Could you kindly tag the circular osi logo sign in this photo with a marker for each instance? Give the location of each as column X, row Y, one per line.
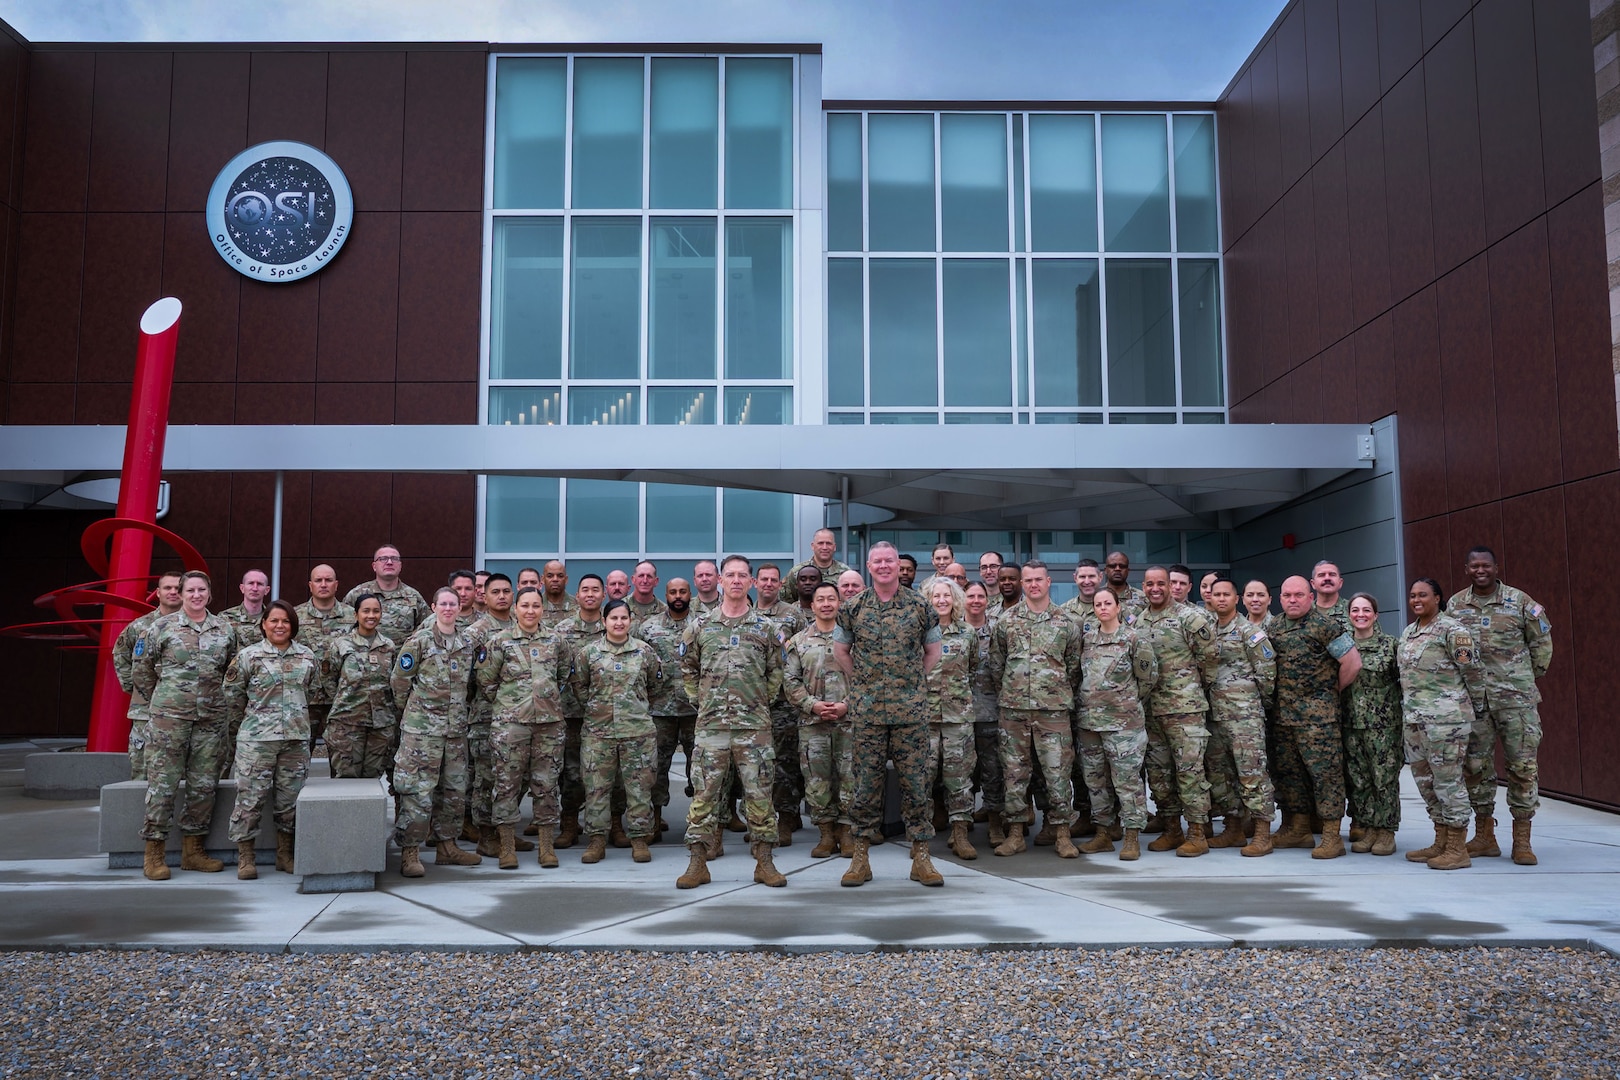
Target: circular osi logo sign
column 279, row 211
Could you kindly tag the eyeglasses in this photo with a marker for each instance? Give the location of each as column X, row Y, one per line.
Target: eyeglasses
column 989, row 566
column 386, row 558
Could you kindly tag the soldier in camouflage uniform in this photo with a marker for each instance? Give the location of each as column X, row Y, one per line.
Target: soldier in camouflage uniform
column 244, row 617
column 1515, row 649
column 1035, row 666
column 1315, row 661
column 706, row 586
column 1327, row 584
column 1118, row 672
column 674, row 716
column 430, row 770
column 818, row 688
column 643, row 601
column 950, row 711
column 1373, row 737
column 1257, row 604
column 887, row 640
column 267, row 690
column 403, row 607
column 320, row 619
column 520, row 677
column 822, row 546
column 168, row 602
column 1009, row 590
column 1245, row 679
column 732, row 668
column 1087, row 580
column 987, row 779
column 614, row 677
column 179, row 666
column 1443, row 687
column 787, row 786
column 362, row 727
column 1184, row 645
column 558, row 604
column 574, row 632
column 497, row 618
column 1117, row 572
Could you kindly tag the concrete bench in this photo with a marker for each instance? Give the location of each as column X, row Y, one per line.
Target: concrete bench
column 123, row 812
column 343, row 828
column 72, row 774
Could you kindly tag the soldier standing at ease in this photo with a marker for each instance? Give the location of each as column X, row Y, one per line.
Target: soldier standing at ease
column 850, row 585
column 1118, row 671
column 1374, row 741
column 887, row 640
column 1184, row 645
column 430, row 772
column 950, row 713
column 1328, row 584
column 558, row 604
column 179, row 666
column 320, row 619
column 244, row 617
column 403, row 607
column 987, row 780
column 480, row 826
column 1515, row 649
column 1117, row 571
column 643, row 598
column 1246, row 678
column 674, row 716
column 617, row 584
column 706, row 582
column 362, row 728
column 167, row 593
column 822, row 545
column 1009, row 590
column 787, row 786
column 573, row 633
column 818, row 688
column 267, row 691
column 732, row 668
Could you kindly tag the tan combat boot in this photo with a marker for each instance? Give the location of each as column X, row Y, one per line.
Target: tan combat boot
column 194, row 856
column 1196, row 842
column 1332, row 845
column 469, row 831
column 846, row 841
column 1383, row 842
column 1015, row 839
column 716, row 847
column 1100, row 842
column 595, row 849
column 532, row 829
column 784, row 830
column 1260, row 843
column 451, row 855
column 284, row 852
column 922, row 867
column 1361, row 838
column 247, row 861
column 1427, row 853
column 1484, row 844
column 827, row 846
column 765, row 871
column 1131, row 848
column 616, row 834
column 860, row 869
column 1357, row 831
column 1048, row 834
column 520, row 844
column 410, row 861
column 959, row 843
column 1171, row 838
column 546, row 854
column 697, row 871
column 1083, row 824
column 156, row 866
column 639, row 851
column 1454, row 855
column 506, row 850
column 568, row 831
column 658, row 827
column 1063, row 844
column 1522, row 855
column 1155, row 823
column 1231, row 834
column 1295, row 833
column 489, row 843
column 736, row 824
column 997, row 827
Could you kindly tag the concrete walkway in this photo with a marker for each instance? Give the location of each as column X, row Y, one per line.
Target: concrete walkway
column 57, row 893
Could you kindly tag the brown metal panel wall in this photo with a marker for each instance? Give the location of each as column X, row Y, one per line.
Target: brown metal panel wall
column 1476, row 276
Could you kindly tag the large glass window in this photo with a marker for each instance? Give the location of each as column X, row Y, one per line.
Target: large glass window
column 1201, row 382
column 844, row 160
column 603, row 515
column 606, row 293
column 600, row 406
column 526, row 299
column 1196, row 212
column 608, row 109
column 846, row 333
column 521, row 513
column 758, row 522
column 1141, row 339
column 1062, row 183
column 759, row 298
column 531, row 95
column 682, row 316
column 685, row 128
column 759, row 134
column 978, row 333
column 759, row 405
column 680, row 517
column 678, row 405
column 973, row 181
column 1068, row 332
column 1135, row 183
column 525, row 406
column 904, row 362
column 901, row 181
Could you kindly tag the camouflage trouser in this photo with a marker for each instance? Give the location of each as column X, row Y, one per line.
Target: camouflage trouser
column 318, row 714
column 1037, row 742
column 227, row 757
column 1175, row 765
column 787, row 787
column 987, row 764
column 430, row 778
column 355, row 752
column 268, row 770
column 137, row 750
column 874, row 746
column 481, row 792
column 573, row 787
column 605, row 764
column 950, row 765
column 1112, row 764
column 1520, row 733
column 181, row 750
column 527, row 760
column 714, row 753
column 1372, row 775
column 1239, row 779
column 826, row 757
column 1437, row 753
column 1082, row 794
column 1308, row 770
column 672, row 731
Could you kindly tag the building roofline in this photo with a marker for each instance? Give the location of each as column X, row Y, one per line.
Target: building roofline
column 923, row 105
column 670, row 48
column 1271, row 32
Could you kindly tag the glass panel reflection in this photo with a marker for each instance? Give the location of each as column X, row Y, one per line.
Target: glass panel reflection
column 680, row 517
column 603, row 515
column 606, row 299
column 1200, row 332
column 978, row 333
column 973, row 181
column 759, row 301
column 1136, row 183
column 767, row 405
column 531, row 103
column 759, row 134
column 903, row 418
column 1068, row 332
column 520, row 513
column 904, row 367
column 679, row 405
column 758, row 522
column 603, row 405
column 846, row 318
column 682, row 340
column 978, row 418
column 521, row 406
column 525, row 341
column 901, row 181
column 1141, row 342
column 1062, row 183
column 607, row 132
column 685, row 132
column 843, row 182
column 1196, row 212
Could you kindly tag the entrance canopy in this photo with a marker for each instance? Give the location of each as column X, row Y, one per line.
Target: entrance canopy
column 946, row 477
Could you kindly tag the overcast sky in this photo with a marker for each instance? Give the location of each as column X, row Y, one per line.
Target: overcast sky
column 1030, row 49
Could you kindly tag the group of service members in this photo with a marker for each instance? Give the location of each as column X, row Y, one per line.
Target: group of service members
column 797, row 692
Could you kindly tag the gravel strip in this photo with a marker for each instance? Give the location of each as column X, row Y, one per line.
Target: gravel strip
column 1298, row 1014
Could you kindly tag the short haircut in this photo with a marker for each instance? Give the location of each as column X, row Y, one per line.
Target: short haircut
column 1034, row 564
column 481, row 572
column 648, row 563
column 880, row 545
column 583, row 578
column 912, row 559
column 385, row 547
column 729, row 559
column 764, row 566
column 1319, row 563
column 528, row 570
column 1000, row 558
column 1479, row 549
column 280, row 605
column 1156, row 566
column 470, row 575
column 498, row 576
column 1016, row 568
column 1225, row 579
column 1184, row 571
column 824, row 585
column 809, row 568
column 1088, row 562
column 176, row 574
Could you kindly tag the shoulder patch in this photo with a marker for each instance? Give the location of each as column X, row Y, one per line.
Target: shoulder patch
column 1535, row 611
column 483, row 654
column 140, row 647
column 406, row 661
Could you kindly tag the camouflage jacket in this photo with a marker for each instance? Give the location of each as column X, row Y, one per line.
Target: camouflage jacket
column 1118, row 671
column 1514, row 639
column 356, row 673
column 1079, row 609
column 1132, row 604
column 403, row 609
column 122, row 661
column 573, row 634
column 552, row 614
column 788, row 621
column 315, row 629
column 1338, row 614
column 1184, row 644
column 1374, row 699
column 950, row 684
column 813, row 673
column 245, row 624
column 1246, row 678
column 732, row 669
column 616, row 682
column 521, row 675
column 430, row 680
column 485, row 626
column 1308, row 653
column 180, row 667
column 640, row 613
column 267, row 692
column 887, row 639
column 1035, row 660
column 1442, row 682
column 664, row 634
column 829, row 576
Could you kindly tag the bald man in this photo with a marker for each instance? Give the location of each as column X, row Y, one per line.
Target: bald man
column 850, row 585
column 320, row 619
